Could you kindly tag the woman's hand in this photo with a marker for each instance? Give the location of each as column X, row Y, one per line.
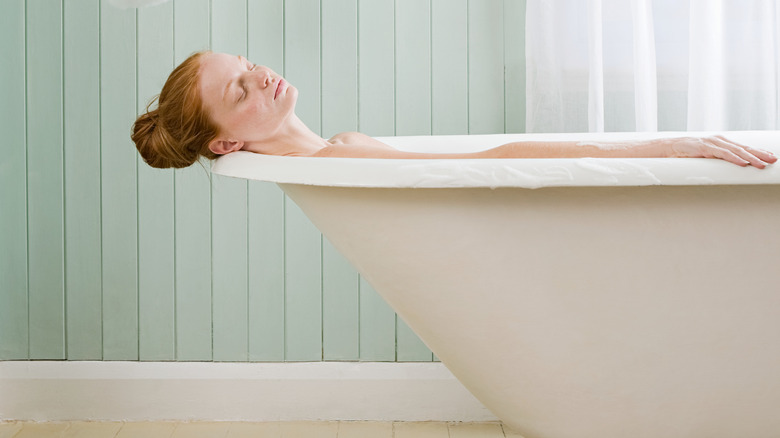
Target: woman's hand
column 717, row 147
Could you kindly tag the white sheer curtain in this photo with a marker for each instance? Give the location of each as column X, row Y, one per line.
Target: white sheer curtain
column 652, row 65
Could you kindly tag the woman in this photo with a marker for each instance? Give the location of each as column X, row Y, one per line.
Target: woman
column 214, row 103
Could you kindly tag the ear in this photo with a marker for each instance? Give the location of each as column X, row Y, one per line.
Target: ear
column 221, row 146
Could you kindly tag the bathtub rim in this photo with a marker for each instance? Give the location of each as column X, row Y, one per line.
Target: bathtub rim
column 529, row 173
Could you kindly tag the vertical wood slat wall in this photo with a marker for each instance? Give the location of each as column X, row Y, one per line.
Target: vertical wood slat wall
column 105, row 258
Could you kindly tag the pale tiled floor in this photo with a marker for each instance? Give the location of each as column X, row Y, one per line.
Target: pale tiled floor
column 333, row 429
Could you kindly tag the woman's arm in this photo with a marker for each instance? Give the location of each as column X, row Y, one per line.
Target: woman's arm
column 685, row 147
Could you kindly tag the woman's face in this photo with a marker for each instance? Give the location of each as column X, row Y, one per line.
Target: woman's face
column 249, row 103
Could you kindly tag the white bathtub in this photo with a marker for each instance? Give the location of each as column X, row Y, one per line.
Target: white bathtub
column 576, row 298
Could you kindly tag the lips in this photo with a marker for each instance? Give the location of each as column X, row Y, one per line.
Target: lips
column 279, row 88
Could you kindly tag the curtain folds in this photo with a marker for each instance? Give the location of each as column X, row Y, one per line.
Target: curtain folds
column 649, row 65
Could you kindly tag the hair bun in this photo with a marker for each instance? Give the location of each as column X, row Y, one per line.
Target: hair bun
column 179, row 130
column 155, row 144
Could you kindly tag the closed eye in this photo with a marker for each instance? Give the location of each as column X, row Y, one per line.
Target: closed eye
column 243, row 87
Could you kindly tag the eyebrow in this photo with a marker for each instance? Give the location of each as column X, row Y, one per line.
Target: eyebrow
column 227, row 87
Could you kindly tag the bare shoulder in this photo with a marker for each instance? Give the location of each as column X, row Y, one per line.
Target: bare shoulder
column 356, row 138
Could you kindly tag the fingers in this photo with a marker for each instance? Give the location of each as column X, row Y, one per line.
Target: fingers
column 738, row 150
column 766, row 156
column 741, row 154
column 741, row 160
column 731, row 157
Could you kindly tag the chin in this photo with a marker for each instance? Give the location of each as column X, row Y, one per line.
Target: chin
column 292, row 93
column 291, row 98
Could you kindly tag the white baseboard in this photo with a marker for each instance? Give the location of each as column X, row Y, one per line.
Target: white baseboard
column 142, row 391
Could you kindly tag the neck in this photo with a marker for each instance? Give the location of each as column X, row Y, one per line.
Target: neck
column 292, row 139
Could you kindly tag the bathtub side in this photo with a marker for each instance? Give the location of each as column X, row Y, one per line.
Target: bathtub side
column 582, row 312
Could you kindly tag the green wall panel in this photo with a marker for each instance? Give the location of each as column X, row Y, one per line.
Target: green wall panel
column 119, row 199
column 267, row 272
column 514, row 65
column 105, row 258
column 229, row 275
column 486, row 66
column 45, row 205
column 83, row 282
column 449, row 67
column 339, row 67
column 376, row 77
column 14, row 338
column 413, row 67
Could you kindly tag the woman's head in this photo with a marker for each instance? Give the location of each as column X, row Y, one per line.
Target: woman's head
column 212, row 104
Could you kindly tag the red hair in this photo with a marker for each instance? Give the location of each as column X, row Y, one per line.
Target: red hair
column 179, row 130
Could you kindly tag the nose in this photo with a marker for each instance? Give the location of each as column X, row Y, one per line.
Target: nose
column 262, row 77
